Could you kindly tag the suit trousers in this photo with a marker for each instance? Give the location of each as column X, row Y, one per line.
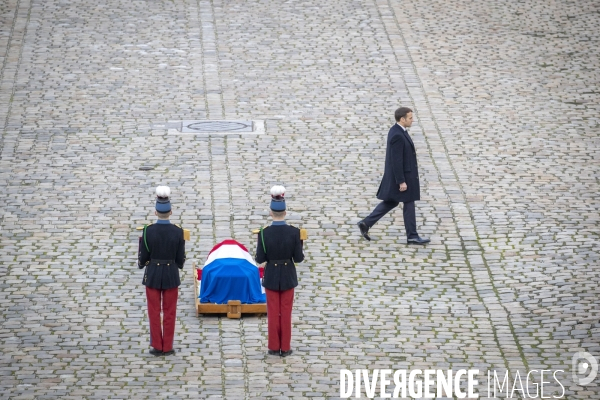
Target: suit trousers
column 161, row 335
column 279, row 318
column 408, row 211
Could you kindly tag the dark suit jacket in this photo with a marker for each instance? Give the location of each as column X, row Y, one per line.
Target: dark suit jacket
column 166, row 255
column 400, row 167
column 284, row 248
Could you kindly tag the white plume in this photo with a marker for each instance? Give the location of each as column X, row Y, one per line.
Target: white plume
column 163, row 191
column 277, row 191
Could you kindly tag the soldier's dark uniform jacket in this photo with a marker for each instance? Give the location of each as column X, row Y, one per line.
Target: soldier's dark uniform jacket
column 283, row 249
column 167, row 253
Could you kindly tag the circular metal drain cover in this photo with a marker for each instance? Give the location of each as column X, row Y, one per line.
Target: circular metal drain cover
column 220, row 126
column 216, row 126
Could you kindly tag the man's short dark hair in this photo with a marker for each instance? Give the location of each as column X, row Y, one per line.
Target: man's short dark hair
column 401, row 113
column 278, row 214
column 164, row 215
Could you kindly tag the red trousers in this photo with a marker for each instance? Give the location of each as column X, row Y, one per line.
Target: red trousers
column 279, row 318
column 161, row 334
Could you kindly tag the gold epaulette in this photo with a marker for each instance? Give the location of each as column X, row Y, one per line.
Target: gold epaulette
column 141, row 228
column 256, row 231
column 186, row 232
column 303, row 234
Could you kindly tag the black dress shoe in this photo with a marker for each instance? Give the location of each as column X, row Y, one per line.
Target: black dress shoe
column 155, row 352
column 364, row 230
column 286, row 353
column 418, row 240
column 168, row 353
column 273, row 352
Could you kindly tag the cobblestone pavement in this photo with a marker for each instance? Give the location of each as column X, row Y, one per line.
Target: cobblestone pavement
column 507, row 102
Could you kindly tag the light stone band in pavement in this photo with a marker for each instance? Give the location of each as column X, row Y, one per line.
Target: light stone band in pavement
column 507, row 101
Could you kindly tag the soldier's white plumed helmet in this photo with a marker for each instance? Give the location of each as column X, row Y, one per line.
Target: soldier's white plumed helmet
column 277, row 198
column 163, row 204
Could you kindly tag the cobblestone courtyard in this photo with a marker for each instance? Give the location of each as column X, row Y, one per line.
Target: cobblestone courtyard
column 506, row 97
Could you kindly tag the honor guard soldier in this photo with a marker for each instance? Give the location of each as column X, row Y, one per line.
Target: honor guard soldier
column 280, row 246
column 162, row 253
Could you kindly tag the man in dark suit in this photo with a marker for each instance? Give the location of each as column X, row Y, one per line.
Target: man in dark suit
column 162, row 253
column 280, row 246
column 400, row 182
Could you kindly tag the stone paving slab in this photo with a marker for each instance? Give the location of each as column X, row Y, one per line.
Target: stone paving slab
column 507, row 133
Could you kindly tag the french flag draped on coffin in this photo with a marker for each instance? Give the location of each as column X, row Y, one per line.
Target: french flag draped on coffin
column 230, row 273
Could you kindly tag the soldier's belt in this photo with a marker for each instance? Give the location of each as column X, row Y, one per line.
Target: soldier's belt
column 279, row 263
column 164, row 263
